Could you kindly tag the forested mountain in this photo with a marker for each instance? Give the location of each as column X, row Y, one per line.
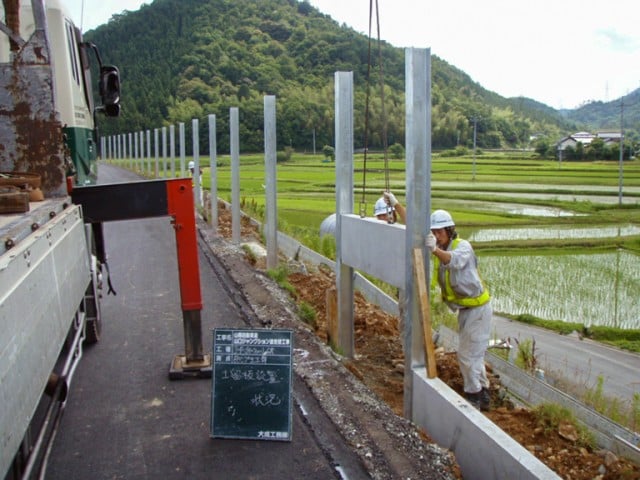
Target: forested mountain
column 186, row 59
column 608, row 115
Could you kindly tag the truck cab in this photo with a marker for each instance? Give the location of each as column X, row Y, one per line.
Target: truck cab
column 50, row 278
column 50, row 122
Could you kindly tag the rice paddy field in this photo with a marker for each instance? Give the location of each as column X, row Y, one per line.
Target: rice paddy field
column 556, row 241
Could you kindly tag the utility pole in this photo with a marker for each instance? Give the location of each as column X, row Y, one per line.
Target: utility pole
column 475, row 130
column 621, row 150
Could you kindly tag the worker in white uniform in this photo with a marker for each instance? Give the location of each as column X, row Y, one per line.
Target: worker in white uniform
column 387, row 209
column 192, row 168
column 456, row 271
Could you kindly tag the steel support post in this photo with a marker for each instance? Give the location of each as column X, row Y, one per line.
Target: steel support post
column 182, row 147
column 213, row 167
column 271, row 222
column 195, row 137
column 172, row 150
column 344, row 205
column 418, row 198
column 234, row 126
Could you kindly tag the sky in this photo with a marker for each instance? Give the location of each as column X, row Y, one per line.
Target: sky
column 562, row 53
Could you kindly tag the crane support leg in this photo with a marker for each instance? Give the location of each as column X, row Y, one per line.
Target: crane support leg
column 157, row 198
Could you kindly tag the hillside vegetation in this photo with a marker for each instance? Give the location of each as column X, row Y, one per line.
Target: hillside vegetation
column 183, row 60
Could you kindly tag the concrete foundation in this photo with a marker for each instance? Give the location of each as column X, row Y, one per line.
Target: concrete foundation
column 481, row 448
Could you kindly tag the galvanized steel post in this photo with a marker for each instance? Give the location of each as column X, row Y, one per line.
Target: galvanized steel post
column 149, row 151
column 130, row 138
column 418, row 198
column 164, row 152
column 235, row 173
column 140, row 135
column 195, row 125
column 344, row 204
column 213, row 167
column 135, row 149
column 270, row 159
column 156, row 144
column 172, row 149
column 182, row 148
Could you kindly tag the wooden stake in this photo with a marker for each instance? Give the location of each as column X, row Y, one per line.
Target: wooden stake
column 423, row 293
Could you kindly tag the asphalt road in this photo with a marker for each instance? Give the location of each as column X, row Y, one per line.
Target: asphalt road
column 124, row 419
column 581, row 361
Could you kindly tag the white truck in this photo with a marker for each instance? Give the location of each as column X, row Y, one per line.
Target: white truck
column 50, row 281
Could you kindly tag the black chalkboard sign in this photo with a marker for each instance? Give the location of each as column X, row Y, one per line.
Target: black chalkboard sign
column 251, row 383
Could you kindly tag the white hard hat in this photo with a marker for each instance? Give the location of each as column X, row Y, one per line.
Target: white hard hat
column 382, row 207
column 328, row 226
column 441, row 219
column 192, row 164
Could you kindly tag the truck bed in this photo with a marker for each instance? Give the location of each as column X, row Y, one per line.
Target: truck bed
column 17, row 226
column 44, row 273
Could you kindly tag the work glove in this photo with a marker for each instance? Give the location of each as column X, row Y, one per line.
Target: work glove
column 430, row 242
column 390, row 198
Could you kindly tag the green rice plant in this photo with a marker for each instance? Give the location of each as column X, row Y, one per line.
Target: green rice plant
column 615, row 410
column 612, row 407
column 634, row 416
column 308, row 314
column 526, row 355
column 595, row 396
column 328, row 246
column 550, row 416
column 590, row 289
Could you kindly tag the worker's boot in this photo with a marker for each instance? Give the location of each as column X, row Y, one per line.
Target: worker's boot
column 480, row 400
column 473, row 399
column 485, row 399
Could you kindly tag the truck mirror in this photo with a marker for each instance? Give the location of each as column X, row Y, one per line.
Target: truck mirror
column 112, row 110
column 109, row 87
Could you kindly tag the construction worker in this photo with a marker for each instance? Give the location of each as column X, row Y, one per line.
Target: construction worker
column 387, row 209
column 192, row 168
column 381, row 208
column 456, row 271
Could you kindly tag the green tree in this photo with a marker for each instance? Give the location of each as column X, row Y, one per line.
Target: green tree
column 397, row 151
column 328, row 152
column 542, row 147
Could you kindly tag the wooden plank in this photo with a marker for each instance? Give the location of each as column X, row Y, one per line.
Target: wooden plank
column 423, row 294
column 331, row 307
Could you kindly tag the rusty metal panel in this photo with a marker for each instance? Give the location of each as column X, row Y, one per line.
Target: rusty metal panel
column 31, row 137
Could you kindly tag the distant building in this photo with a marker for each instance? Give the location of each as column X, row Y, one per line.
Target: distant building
column 610, row 138
column 585, row 138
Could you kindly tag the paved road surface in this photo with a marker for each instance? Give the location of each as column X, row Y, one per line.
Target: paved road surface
column 583, row 361
column 125, row 419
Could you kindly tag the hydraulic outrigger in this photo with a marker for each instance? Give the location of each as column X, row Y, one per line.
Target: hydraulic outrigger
column 158, row 198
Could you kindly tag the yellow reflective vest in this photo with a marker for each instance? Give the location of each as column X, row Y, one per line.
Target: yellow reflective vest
column 448, row 293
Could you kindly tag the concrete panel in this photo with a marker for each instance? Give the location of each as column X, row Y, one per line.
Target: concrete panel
column 481, row 448
column 375, row 247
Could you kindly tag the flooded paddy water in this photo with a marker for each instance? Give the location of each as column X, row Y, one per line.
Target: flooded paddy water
column 592, row 289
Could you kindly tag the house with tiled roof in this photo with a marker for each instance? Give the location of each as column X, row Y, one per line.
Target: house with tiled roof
column 585, row 138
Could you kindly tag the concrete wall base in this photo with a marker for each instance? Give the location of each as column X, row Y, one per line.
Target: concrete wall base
column 481, row 448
